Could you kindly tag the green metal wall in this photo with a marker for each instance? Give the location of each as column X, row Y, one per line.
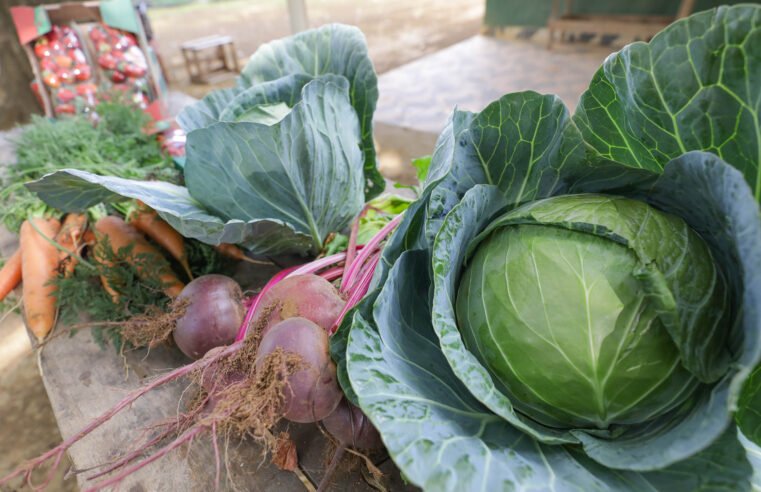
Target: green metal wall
column 502, row 13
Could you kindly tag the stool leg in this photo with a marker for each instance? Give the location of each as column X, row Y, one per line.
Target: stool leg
column 201, row 75
column 234, row 55
column 187, row 64
column 222, row 56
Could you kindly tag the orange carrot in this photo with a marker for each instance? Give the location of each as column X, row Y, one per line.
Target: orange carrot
column 121, row 235
column 39, row 266
column 235, row 253
column 149, row 223
column 10, row 274
column 107, row 285
column 70, row 237
column 88, row 239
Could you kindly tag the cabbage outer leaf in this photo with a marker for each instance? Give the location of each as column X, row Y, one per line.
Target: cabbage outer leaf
column 749, row 408
column 331, row 49
column 717, row 208
column 72, row 190
column 445, row 440
column 275, row 189
column 695, row 86
column 753, row 452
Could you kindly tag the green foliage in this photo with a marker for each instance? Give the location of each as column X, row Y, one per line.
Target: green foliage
column 421, row 165
column 449, row 420
column 331, row 49
column 693, row 87
column 291, row 145
column 380, row 212
column 297, row 195
column 749, row 407
column 83, row 291
column 117, row 145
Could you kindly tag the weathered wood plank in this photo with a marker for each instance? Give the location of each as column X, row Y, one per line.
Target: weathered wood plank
column 84, row 380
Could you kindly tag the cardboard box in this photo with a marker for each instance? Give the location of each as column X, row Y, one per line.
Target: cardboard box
column 34, row 25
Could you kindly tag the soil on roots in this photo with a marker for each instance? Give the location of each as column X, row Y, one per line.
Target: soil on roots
column 155, row 326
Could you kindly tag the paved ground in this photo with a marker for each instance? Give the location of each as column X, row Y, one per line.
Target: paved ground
column 417, row 98
column 397, row 31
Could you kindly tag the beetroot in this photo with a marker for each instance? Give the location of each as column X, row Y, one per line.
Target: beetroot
column 311, row 393
column 306, row 296
column 352, row 428
column 213, row 314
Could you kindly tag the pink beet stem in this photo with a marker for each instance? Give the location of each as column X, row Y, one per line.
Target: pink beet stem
column 106, row 416
column 243, row 330
column 369, row 249
column 332, row 274
column 357, row 291
column 366, row 273
column 351, row 251
column 217, row 461
column 318, row 264
column 185, row 438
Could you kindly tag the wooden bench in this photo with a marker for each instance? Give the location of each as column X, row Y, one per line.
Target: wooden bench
column 636, row 27
column 210, row 59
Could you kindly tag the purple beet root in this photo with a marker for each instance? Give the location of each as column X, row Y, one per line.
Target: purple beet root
column 213, row 315
column 311, row 393
column 306, row 296
column 352, row 428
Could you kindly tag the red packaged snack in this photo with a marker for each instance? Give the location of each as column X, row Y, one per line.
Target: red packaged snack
column 65, row 95
column 82, row 72
column 41, row 48
column 122, row 62
column 65, row 109
column 65, row 71
column 85, row 89
column 107, row 61
column 50, row 79
column 118, row 77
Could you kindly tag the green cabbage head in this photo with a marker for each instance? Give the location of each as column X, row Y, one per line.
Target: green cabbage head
column 574, row 303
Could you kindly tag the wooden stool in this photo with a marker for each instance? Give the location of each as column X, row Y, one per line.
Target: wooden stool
column 221, row 63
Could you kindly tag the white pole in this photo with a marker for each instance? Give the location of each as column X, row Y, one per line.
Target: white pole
column 297, row 11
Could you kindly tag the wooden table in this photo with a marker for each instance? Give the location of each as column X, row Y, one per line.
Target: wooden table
column 84, row 380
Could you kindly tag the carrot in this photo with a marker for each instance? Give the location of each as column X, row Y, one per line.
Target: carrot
column 115, row 297
column 70, row 238
column 10, row 274
column 235, row 253
column 121, row 235
column 39, row 266
column 149, row 223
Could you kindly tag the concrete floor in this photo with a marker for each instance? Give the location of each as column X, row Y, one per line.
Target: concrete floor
column 417, row 98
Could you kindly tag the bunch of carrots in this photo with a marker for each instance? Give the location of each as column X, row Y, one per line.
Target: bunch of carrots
column 49, row 248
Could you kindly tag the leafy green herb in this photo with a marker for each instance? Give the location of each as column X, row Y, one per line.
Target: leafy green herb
column 117, row 146
column 83, row 292
column 381, row 210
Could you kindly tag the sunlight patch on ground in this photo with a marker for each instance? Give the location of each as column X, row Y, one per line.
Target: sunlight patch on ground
column 14, row 342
